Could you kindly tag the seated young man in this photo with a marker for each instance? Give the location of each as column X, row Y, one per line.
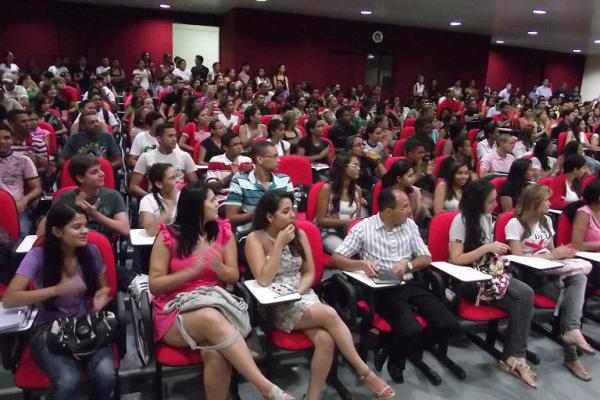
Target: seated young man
column 391, row 241
column 499, row 160
column 167, row 152
column 91, row 140
column 145, row 141
column 18, row 172
column 246, row 189
column 222, row 168
column 23, row 142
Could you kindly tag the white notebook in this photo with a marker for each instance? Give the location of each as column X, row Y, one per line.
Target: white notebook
column 14, row 318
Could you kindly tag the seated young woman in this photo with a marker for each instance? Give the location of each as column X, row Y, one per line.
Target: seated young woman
column 566, row 188
column 401, row 176
column 530, row 233
column 69, row 276
column 211, row 146
column 276, row 135
column 524, row 146
column 472, row 244
column 159, row 206
column 543, row 163
column 251, row 127
column 521, row 173
column 315, row 149
column 448, row 193
column 277, row 252
column 340, row 201
column 195, row 130
column 586, row 224
column 199, row 250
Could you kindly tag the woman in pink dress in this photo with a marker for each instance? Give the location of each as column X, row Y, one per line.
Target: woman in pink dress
column 199, row 250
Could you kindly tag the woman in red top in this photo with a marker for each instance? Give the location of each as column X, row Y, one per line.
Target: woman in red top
column 199, row 250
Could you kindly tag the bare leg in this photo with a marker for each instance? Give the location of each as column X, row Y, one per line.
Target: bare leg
column 321, row 361
column 217, row 375
column 324, row 317
column 209, row 327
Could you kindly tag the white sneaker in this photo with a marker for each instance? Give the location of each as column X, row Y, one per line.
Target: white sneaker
column 138, row 285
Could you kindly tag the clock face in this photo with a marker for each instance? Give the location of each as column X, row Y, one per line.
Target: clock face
column 377, row 37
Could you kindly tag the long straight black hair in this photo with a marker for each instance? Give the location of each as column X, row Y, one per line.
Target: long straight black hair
column 190, row 224
column 269, row 204
column 54, row 259
column 471, row 207
column 337, row 174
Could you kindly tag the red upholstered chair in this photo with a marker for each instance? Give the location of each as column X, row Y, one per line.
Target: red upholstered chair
column 29, row 376
column 498, row 183
column 392, row 160
column 562, row 141
column 326, row 130
column 587, row 181
column 109, row 175
column 9, row 216
column 437, row 165
column 331, row 148
column 439, row 236
column 302, row 130
column 499, row 234
column 409, row 122
column 564, row 230
column 546, row 181
column 297, row 168
column 407, row 132
column 472, row 136
column 439, row 147
column 196, row 152
column 313, row 201
column 52, row 146
column 62, row 191
column 302, row 120
column 265, row 119
column 376, row 190
column 399, row 148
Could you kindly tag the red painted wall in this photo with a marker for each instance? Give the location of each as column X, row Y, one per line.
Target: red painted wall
column 526, row 67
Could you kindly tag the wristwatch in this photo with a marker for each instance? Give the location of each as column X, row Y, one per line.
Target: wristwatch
column 409, row 266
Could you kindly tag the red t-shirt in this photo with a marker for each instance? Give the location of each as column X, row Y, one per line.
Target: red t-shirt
column 69, row 95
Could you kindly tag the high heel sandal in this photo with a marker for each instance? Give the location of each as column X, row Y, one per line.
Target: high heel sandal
column 277, row 393
column 515, row 371
column 386, row 393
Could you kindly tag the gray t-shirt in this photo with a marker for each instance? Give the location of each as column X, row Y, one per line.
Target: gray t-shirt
column 111, row 203
column 100, row 145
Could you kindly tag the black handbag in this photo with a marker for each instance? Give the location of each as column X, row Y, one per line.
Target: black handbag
column 80, row 337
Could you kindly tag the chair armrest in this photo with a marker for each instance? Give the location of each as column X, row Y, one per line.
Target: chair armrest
column 122, row 324
column 461, row 273
column 11, row 347
column 340, row 294
column 242, row 291
column 147, row 321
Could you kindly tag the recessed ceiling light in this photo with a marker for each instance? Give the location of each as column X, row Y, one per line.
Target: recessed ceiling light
column 597, row 41
column 539, row 12
column 532, row 32
column 576, row 50
column 261, row 1
column 370, row 56
column 455, row 23
column 366, row 12
column 165, row 6
column 500, row 41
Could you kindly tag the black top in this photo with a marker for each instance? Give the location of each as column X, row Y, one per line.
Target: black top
column 200, row 72
column 211, row 149
column 339, row 133
column 309, row 147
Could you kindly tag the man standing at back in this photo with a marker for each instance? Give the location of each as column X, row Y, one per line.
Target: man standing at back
column 199, row 71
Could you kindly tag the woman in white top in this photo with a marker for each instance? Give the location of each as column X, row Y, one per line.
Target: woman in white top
column 160, row 205
column 530, row 233
column 524, row 146
column 448, row 193
column 275, row 134
column 543, row 164
column 329, row 113
column 245, row 100
column 340, row 201
column 419, row 87
column 263, row 78
column 251, row 127
column 144, row 74
column 227, row 117
column 292, row 134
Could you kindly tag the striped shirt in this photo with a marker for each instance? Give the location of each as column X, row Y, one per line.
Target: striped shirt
column 245, row 191
column 372, row 241
column 32, row 145
column 219, row 168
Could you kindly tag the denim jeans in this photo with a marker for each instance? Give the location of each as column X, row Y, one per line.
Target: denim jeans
column 65, row 372
column 26, row 222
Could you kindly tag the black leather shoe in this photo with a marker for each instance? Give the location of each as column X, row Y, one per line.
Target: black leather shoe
column 395, row 373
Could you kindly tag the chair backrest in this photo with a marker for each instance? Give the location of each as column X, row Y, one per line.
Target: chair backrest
column 439, row 235
column 297, row 168
column 108, row 256
column 351, row 224
column 109, row 175
column 326, row 130
column 313, row 201
column 62, row 191
column 564, row 230
column 498, row 183
column 265, row 119
column 547, row 181
column 472, row 135
column 499, row 234
column 439, row 147
column 399, row 148
column 409, row 122
column 587, row 181
column 437, row 164
column 176, row 125
column 331, row 148
column 302, row 119
column 52, row 145
column 562, row 141
column 392, row 160
column 196, row 152
column 374, row 197
column 316, row 246
column 9, row 216
column 407, row 132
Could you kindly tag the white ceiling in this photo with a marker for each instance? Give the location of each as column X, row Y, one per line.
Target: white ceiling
column 568, row 24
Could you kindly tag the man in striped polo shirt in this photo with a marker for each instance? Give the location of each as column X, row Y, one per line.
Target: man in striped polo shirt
column 23, row 142
column 247, row 188
column 223, row 167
